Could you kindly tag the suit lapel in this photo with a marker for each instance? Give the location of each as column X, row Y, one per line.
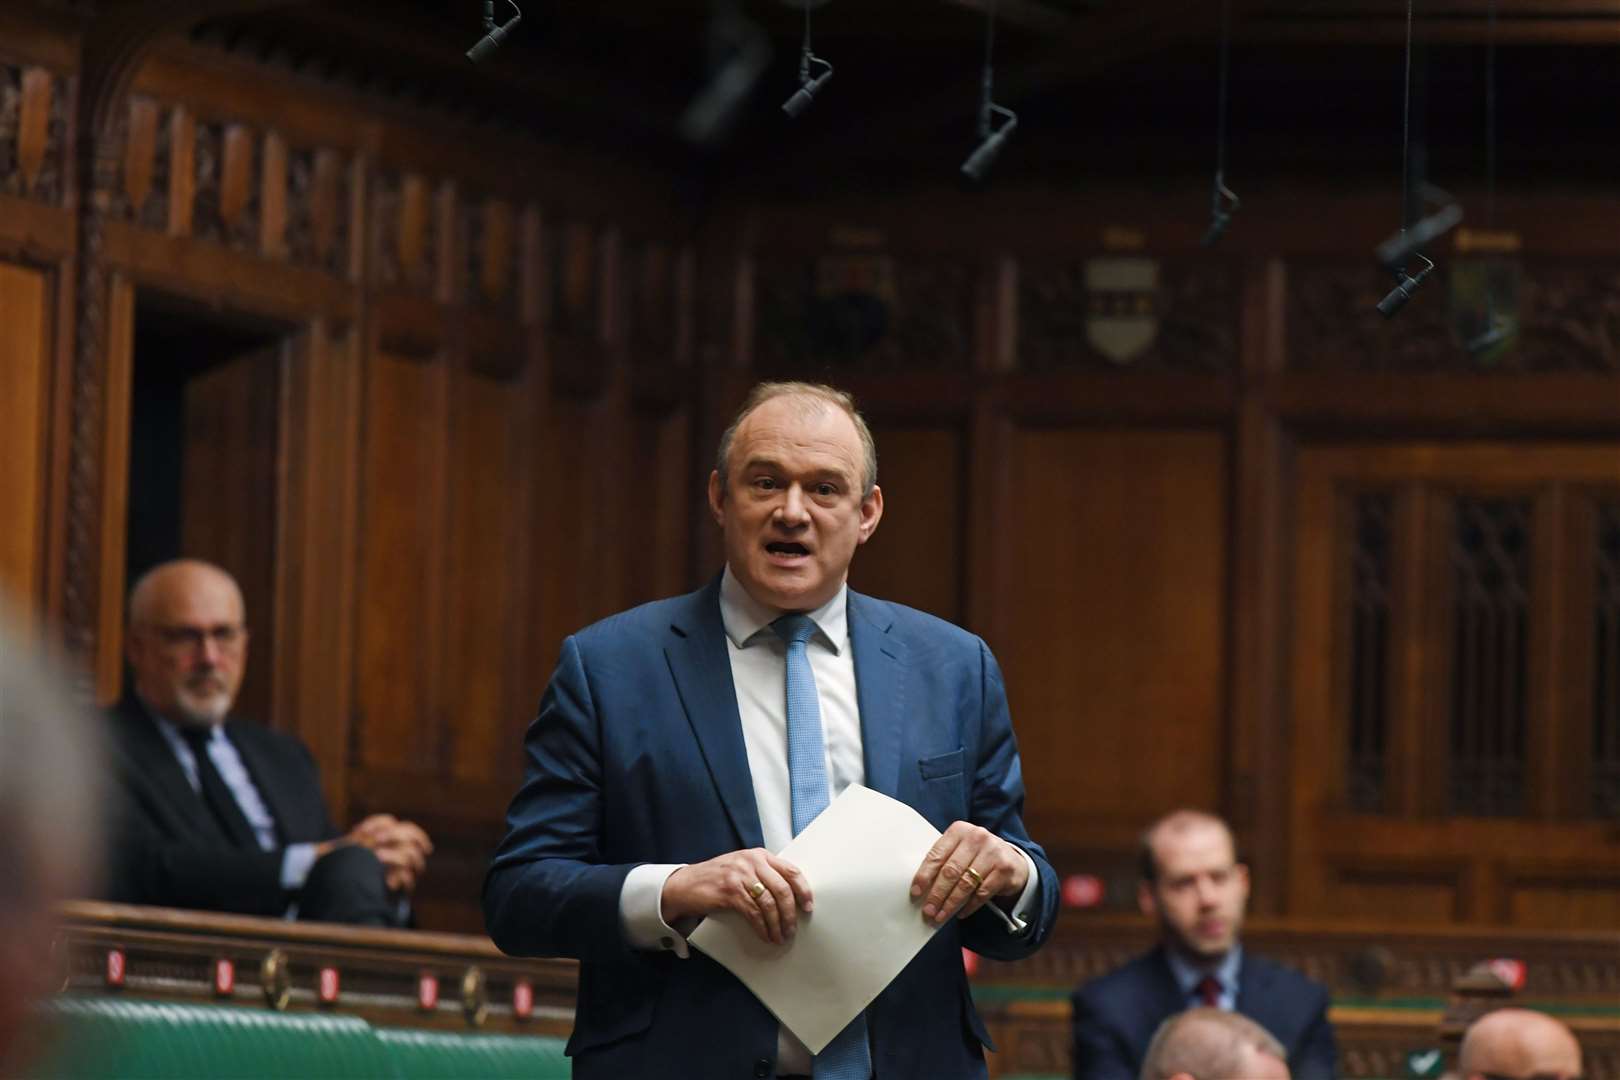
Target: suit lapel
column 880, row 688
column 701, row 667
column 159, row 770
column 262, row 771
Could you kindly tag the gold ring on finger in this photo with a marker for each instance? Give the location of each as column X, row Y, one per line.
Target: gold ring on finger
column 756, row 890
column 977, row 878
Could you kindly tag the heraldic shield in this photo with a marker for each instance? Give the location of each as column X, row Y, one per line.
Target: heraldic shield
column 1122, row 316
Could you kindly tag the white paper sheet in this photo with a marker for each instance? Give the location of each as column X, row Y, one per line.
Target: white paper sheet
column 859, row 856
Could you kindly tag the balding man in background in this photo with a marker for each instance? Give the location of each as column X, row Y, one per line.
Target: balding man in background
column 1213, row 1044
column 49, row 768
column 220, row 814
column 1194, row 886
column 1518, row 1044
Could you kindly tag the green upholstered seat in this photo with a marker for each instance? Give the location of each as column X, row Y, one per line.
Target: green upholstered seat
column 113, row 1036
column 101, row 1038
column 429, row 1055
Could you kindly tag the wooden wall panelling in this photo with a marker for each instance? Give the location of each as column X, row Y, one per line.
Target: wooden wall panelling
column 25, row 370
column 182, row 170
column 114, row 486
column 1113, row 643
column 273, row 198
column 916, row 557
column 403, row 488
column 318, row 541
column 229, row 496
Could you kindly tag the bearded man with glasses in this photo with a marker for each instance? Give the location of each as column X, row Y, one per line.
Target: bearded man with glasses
column 222, row 814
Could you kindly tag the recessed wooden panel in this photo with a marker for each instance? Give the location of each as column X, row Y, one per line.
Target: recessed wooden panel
column 1112, row 621
column 915, row 557
column 1421, row 894
column 400, row 617
column 228, row 504
column 1562, row 902
column 23, row 298
column 485, row 514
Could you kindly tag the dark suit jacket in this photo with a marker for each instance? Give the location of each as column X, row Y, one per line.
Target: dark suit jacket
column 1115, row 1016
column 165, row 847
column 637, row 756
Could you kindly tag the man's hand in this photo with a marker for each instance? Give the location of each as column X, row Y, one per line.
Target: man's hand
column 728, row 883
column 949, row 890
column 401, row 846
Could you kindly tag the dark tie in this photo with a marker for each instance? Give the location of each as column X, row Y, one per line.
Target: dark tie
column 227, row 814
column 1209, row 992
column 847, row 1057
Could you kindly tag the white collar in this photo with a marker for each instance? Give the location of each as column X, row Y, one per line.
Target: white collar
column 745, row 617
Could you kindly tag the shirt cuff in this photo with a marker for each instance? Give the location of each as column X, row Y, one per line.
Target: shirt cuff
column 296, row 861
column 1018, row 920
column 641, row 909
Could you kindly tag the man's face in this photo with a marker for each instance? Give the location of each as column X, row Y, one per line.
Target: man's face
column 1201, row 891
column 188, row 647
column 792, row 510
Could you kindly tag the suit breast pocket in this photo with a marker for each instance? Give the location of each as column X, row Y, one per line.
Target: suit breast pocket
column 941, row 766
column 943, row 791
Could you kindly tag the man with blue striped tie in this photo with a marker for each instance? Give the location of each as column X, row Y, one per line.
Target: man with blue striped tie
column 681, row 743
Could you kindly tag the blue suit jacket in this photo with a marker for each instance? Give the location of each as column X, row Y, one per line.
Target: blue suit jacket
column 1115, row 1016
column 637, row 756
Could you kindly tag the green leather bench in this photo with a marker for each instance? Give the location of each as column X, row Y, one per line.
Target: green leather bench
column 100, row 1038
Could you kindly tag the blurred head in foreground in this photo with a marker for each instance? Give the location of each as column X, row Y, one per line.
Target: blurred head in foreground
column 1519, row 1044
column 1212, row 1044
column 48, row 823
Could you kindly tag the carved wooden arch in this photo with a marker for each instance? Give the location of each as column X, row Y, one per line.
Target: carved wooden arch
column 114, row 42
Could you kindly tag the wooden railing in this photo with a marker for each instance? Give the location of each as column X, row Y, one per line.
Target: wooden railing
column 392, row 978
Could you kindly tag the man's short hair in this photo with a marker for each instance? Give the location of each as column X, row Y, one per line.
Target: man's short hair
column 1207, row 1044
column 1147, row 863
column 815, row 396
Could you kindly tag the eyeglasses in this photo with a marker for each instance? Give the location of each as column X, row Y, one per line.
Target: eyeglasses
column 227, row 637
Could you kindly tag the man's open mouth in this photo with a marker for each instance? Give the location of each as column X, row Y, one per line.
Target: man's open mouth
column 786, row 547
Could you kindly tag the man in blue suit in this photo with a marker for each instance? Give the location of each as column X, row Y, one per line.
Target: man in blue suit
column 681, row 743
column 1198, row 891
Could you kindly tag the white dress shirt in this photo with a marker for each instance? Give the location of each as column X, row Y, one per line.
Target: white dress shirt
column 758, row 672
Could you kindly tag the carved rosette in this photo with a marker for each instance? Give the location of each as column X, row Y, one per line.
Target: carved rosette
column 864, row 312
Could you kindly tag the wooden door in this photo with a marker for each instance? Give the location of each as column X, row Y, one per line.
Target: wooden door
column 1456, row 684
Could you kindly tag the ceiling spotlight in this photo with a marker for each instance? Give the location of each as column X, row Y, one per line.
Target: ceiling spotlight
column 739, row 52
column 493, row 34
column 1404, row 288
column 802, row 98
column 991, row 138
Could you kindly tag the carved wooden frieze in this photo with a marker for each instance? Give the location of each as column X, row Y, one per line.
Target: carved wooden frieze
column 1550, row 317
column 33, row 133
column 407, row 228
column 863, row 311
column 1128, row 311
column 490, row 245
column 317, row 209
column 649, row 282
column 227, row 185
column 573, row 274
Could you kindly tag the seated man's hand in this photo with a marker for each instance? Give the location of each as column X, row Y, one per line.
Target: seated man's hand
column 945, row 886
column 730, row 882
column 401, row 846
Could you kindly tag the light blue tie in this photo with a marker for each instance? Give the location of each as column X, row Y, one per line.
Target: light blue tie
column 847, row 1057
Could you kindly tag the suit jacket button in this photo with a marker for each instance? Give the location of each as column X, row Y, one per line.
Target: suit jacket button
column 668, row 942
column 762, row 1067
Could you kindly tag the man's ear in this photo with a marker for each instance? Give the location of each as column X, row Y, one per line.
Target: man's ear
column 871, row 514
column 717, row 498
column 1145, row 900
